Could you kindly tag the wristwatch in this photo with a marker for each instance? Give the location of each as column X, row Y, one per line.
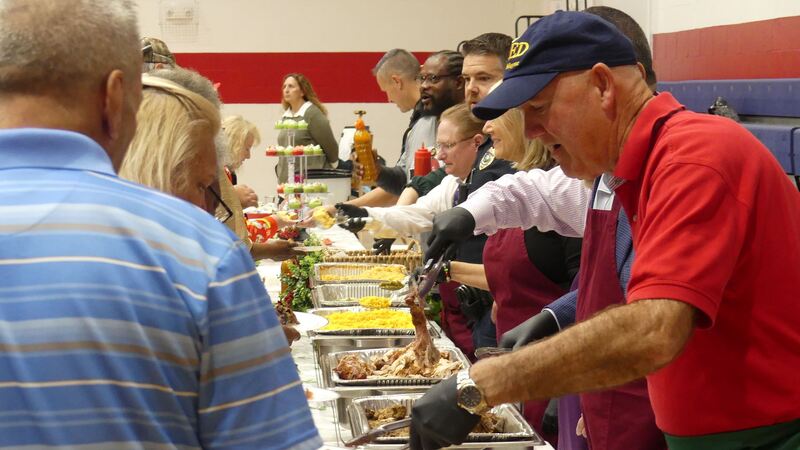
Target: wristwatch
column 469, row 396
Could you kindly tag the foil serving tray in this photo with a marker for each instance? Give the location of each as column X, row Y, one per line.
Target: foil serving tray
column 325, row 312
column 334, row 358
column 516, row 432
column 341, row 270
column 348, row 294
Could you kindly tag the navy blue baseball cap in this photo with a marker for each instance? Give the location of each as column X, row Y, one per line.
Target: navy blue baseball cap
column 561, row 42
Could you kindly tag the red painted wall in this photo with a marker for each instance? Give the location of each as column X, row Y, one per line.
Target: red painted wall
column 339, row 77
column 762, row 49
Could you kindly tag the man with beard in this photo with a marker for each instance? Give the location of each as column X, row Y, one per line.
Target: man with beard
column 439, row 87
column 468, row 313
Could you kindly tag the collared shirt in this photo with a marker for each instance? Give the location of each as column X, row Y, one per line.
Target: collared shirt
column 417, row 218
column 288, row 114
column 563, row 309
column 548, row 200
column 129, row 318
column 716, row 225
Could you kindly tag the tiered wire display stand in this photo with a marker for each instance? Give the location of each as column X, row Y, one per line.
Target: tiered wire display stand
column 297, row 168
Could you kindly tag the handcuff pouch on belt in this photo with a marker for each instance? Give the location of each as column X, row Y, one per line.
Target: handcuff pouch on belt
column 474, row 302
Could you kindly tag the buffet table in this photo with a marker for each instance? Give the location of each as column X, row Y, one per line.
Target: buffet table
column 332, row 427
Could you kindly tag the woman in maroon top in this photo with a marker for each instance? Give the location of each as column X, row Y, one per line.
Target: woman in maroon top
column 524, row 270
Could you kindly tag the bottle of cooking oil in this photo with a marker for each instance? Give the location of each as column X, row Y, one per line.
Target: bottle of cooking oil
column 363, row 144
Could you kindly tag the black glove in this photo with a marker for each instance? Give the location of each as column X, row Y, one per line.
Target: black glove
column 436, row 419
column 537, row 327
column 382, row 246
column 353, row 225
column 345, row 165
column 351, row 211
column 473, row 302
column 449, row 227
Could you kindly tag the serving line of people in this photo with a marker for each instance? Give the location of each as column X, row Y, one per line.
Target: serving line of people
column 484, row 56
column 711, row 307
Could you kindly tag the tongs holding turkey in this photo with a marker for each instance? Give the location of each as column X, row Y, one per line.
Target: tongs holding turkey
column 423, row 281
column 425, row 353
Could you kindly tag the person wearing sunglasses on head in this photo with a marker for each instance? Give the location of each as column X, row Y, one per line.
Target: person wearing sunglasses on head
column 122, row 302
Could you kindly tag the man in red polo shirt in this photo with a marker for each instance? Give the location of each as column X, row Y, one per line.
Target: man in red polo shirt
column 713, row 313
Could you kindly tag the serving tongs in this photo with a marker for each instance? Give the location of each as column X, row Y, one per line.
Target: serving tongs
column 377, row 432
column 425, row 279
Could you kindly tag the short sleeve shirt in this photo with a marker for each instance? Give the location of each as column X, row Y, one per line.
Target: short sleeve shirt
column 716, row 224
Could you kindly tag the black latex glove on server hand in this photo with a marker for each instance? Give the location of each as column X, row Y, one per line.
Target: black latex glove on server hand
column 382, row 246
column 353, row 225
column 449, row 227
column 351, row 211
column 354, row 214
column 537, row 327
column 436, row 419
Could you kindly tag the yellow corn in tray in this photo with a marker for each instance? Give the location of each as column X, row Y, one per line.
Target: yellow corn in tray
column 380, row 318
column 372, row 301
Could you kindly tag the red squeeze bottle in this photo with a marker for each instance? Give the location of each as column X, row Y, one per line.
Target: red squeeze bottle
column 422, row 161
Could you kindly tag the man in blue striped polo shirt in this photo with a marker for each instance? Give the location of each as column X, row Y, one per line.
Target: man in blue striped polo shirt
column 128, row 318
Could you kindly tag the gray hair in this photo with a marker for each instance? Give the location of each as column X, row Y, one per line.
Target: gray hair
column 397, row 62
column 202, row 86
column 190, row 80
column 55, row 46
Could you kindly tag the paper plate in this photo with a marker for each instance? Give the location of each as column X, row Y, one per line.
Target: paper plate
column 315, row 394
column 309, row 321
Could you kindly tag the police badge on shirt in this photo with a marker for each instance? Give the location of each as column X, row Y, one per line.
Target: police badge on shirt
column 487, row 159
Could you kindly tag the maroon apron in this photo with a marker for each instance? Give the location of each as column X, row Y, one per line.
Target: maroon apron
column 454, row 323
column 520, row 291
column 619, row 418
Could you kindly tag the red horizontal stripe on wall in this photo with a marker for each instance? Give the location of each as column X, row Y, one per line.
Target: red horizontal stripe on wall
column 339, row 77
column 762, row 49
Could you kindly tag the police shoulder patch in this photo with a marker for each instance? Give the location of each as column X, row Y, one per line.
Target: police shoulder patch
column 487, row 159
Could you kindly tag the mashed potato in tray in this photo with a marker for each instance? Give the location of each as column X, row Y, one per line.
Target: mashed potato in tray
column 380, row 318
column 381, row 273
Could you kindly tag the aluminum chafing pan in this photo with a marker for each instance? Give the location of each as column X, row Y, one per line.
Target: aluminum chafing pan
column 341, row 270
column 348, row 294
column 334, row 358
column 325, row 312
column 516, row 432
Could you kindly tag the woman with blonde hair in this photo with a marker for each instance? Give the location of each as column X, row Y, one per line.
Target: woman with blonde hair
column 300, row 102
column 173, row 149
column 241, row 135
column 525, row 270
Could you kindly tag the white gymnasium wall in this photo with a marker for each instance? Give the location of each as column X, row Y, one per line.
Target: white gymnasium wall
column 666, row 16
column 375, row 26
column 332, row 26
column 678, row 15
